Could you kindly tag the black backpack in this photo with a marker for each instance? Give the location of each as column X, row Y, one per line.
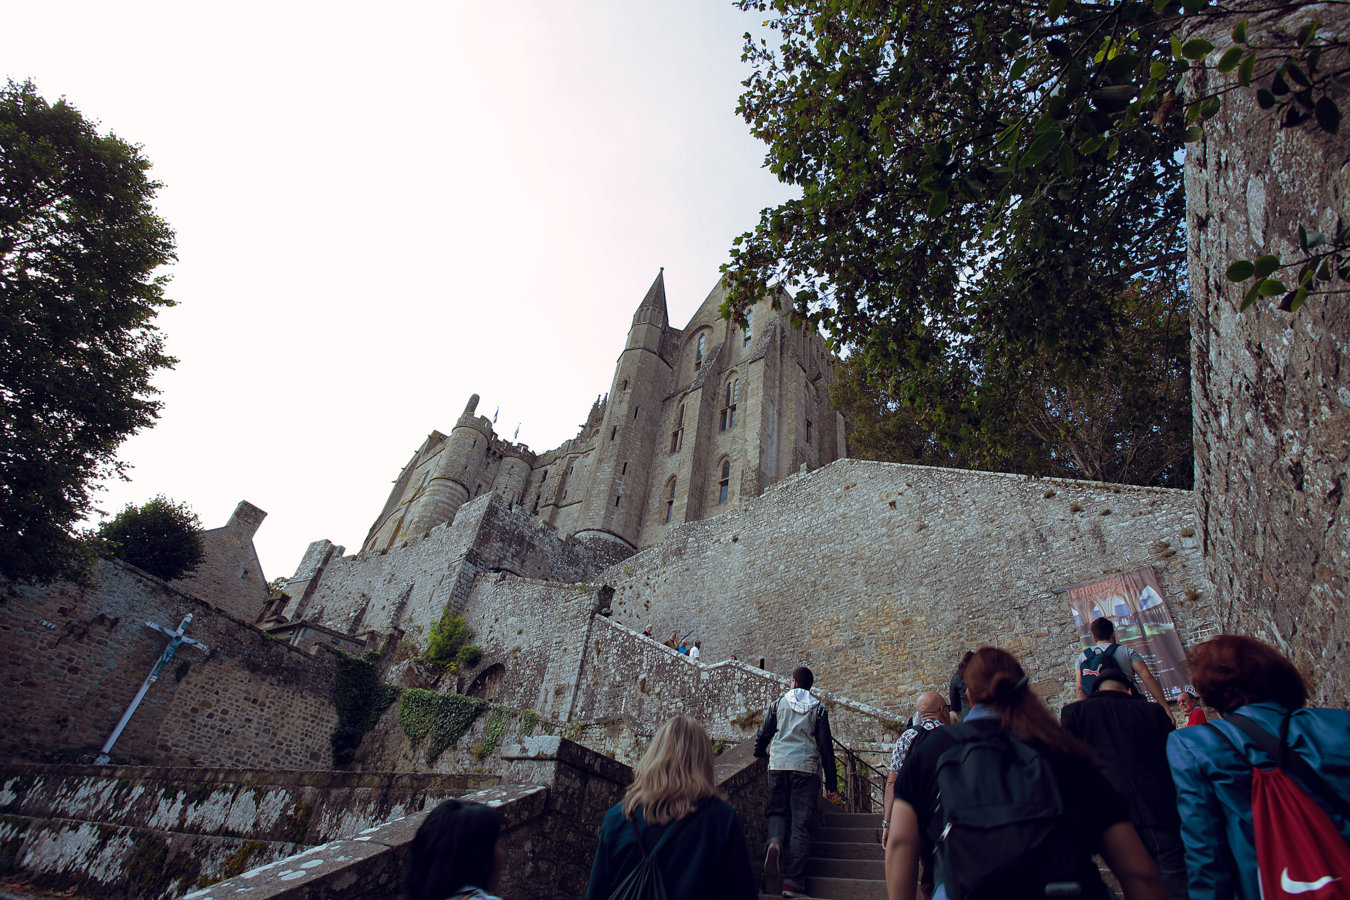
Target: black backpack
column 1005, row 833
column 1101, row 663
column 645, row 881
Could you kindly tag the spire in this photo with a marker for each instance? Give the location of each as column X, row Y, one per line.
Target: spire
column 655, row 301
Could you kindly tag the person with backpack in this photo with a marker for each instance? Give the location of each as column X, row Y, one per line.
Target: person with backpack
column 1262, row 793
column 1011, row 803
column 672, row 827
column 1108, row 656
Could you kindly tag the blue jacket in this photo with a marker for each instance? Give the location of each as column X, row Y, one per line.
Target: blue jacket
column 1214, row 790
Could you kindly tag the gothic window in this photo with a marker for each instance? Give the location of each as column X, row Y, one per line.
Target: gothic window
column 677, row 436
column 749, row 326
column 670, row 500
column 729, row 408
column 724, row 485
column 698, row 351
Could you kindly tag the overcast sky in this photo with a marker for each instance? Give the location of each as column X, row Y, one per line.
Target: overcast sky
column 384, row 209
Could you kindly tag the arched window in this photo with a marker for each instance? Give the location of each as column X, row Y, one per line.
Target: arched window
column 724, row 485
column 729, row 407
column 677, row 436
column 699, row 347
column 670, row 500
column 749, row 326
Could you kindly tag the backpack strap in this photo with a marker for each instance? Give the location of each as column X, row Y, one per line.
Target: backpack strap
column 665, row 836
column 1285, row 758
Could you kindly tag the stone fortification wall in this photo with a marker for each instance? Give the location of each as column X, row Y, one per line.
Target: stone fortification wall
column 880, row 575
column 410, row 586
column 625, row 673
column 152, row 832
column 74, row 657
column 552, row 803
column 1271, row 402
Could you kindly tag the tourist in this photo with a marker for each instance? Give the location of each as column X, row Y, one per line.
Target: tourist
column 796, row 738
column 647, row 632
column 696, row 651
column 931, row 711
column 1008, row 861
column 1248, row 683
column 1130, row 738
column 1195, row 715
column 674, row 812
column 959, row 705
column 1103, row 632
column 456, row 854
column 673, row 642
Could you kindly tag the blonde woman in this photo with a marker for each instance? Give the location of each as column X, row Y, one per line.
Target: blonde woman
column 674, row 812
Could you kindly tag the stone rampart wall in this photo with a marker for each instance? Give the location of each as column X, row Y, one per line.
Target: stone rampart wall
column 74, row 657
column 880, row 575
column 105, row 831
column 552, row 802
column 409, row 586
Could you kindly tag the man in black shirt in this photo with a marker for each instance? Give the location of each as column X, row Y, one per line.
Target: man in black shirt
column 1130, row 737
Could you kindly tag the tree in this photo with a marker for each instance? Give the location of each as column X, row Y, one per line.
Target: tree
column 986, row 184
column 79, row 246
column 161, row 537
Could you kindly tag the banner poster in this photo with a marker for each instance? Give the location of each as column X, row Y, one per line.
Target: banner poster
column 1134, row 603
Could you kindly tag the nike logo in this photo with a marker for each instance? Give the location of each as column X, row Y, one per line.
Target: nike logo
column 1290, row 886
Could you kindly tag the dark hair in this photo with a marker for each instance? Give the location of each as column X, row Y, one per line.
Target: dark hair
column 1231, row 671
column 1102, row 629
column 452, row 849
column 965, row 661
column 802, row 675
column 994, row 677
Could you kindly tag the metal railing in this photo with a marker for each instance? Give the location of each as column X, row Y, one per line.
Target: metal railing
column 864, row 785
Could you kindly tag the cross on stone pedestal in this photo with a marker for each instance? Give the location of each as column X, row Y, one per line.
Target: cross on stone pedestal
column 175, row 639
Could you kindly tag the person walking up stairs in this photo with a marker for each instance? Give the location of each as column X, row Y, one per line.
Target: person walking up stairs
column 845, row 862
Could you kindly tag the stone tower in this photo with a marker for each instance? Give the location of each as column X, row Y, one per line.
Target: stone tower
column 616, row 497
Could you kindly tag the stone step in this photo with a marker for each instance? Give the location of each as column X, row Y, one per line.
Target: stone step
column 866, row 869
column 845, row 888
column 848, row 835
column 834, row 850
column 851, row 820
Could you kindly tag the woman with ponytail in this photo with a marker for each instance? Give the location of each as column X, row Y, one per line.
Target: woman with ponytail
column 1091, row 816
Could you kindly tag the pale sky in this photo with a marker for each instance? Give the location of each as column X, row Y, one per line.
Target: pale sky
column 382, row 209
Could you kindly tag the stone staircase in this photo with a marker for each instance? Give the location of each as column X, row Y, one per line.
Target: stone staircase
column 846, row 859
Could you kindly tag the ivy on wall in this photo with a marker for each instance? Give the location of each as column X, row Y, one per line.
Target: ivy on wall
column 444, row 718
column 492, row 735
column 360, row 699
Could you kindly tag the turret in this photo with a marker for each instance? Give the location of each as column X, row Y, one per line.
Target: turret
column 617, row 493
column 457, row 468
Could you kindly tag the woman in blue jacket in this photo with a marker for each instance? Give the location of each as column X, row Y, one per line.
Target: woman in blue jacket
column 1212, row 765
column 674, row 810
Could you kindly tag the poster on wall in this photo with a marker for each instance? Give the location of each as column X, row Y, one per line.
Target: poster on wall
column 1133, row 601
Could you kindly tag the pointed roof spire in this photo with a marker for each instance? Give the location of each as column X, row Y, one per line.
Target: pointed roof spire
column 656, row 298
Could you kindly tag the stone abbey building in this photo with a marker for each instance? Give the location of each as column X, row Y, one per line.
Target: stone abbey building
column 696, row 419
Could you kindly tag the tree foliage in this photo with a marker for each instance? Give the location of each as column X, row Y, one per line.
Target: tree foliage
column 79, row 246
column 988, row 187
column 162, row 537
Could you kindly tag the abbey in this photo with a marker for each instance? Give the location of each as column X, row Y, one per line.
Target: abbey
column 696, row 420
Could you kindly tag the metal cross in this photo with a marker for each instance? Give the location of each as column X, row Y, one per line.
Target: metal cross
column 175, row 639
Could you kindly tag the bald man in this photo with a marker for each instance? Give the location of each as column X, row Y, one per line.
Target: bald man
column 931, row 711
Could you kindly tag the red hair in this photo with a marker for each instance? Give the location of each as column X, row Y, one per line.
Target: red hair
column 1232, row 670
column 994, row 678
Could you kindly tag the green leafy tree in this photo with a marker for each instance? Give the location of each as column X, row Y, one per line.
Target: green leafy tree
column 162, row 537
column 986, row 185
column 448, row 643
column 79, row 248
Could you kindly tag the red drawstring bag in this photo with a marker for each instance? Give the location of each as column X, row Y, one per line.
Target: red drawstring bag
column 1299, row 853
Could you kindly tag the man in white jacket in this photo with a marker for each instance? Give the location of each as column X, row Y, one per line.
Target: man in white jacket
column 796, row 738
